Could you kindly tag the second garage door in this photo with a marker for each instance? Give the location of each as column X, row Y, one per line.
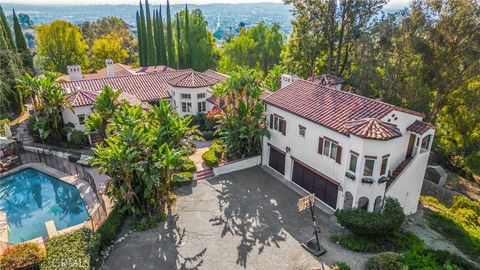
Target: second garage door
column 324, row 190
column 277, row 160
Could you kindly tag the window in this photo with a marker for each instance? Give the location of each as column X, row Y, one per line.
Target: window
column 186, row 107
column 201, row 95
column 330, row 149
column 202, row 106
column 426, row 142
column 81, row 118
column 301, row 130
column 186, row 96
column 363, row 203
column 173, row 93
column 368, row 170
column 353, row 163
column 383, row 168
column 277, row 123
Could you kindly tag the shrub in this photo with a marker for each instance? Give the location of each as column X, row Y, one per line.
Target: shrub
column 199, row 120
column 217, row 148
column 146, row 223
column 397, row 241
column 384, row 261
column 210, row 158
column 77, row 139
column 21, row 255
column 182, row 179
column 361, row 222
column 188, row 165
column 75, row 250
column 473, row 162
column 207, row 135
column 422, row 258
column 340, row 266
column 110, row 228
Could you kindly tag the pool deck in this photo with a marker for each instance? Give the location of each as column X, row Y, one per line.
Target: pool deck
column 86, row 192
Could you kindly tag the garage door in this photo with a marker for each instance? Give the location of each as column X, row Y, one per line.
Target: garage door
column 277, row 160
column 311, row 181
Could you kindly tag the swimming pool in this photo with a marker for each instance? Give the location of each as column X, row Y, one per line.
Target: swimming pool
column 30, row 198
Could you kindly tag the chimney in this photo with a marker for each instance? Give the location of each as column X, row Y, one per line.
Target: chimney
column 110, row 68
column 74, row 72
column 287, row 79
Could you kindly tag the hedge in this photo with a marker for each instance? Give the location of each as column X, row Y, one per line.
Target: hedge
column 384, row 261
column 21, row 255
column 210, row 159
column 111, row 228
column 189, row 165
column 182, row 179
column 75, row 250
column 361, row 222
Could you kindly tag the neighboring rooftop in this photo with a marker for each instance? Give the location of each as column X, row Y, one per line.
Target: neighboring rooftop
column 150, row 69
column 327, row 79
column 331, row 108
column 85, row 98
column 419, row 127
column 193, row 79
column 372, row 128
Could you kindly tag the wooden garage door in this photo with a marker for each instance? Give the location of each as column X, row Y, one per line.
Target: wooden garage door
column 324, row 189
column 277, row 160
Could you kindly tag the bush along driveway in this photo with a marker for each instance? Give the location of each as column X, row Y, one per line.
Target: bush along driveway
column 242, row 220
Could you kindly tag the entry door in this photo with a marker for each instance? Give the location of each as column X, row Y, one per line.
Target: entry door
column 277, row 160
column 411, row 144
column 312, row 182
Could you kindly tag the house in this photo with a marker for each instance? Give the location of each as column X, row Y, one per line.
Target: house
column 351, row 151
column 188, row 90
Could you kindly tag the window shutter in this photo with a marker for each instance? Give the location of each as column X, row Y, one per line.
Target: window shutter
column 339, row 155
column 271, row 121
column 320, row 145
column 284, row 127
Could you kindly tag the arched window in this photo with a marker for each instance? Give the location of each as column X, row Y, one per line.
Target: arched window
column 348, row 201
column 426, row 142
column 377, row 207
column 363, row 203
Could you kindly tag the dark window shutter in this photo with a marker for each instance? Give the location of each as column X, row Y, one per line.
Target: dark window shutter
column 339, row 155
column 271, row 121
column 320, row 145
column 284, row 127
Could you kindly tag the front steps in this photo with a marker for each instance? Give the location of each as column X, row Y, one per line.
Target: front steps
column 204, row 174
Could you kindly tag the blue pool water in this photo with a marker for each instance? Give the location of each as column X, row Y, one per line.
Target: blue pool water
column 30, row 198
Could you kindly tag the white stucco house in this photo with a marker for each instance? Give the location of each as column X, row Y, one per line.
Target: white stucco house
column 351, row 151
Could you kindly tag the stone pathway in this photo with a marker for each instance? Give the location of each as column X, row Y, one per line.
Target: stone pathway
column 202, row 147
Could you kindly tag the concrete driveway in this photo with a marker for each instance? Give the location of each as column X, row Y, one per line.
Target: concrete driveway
column 242, row 220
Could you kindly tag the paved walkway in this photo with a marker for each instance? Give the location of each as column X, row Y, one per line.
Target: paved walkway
column 241, row 220
column 202, row 147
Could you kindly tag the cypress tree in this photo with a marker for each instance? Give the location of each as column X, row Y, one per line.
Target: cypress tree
column 152, row 58
column 170, row 50
column 141, row 53
column 188, row 41
column 144, row 36
column 22, row 47
column 179, row 44
column 7, row 35
column 161, row 50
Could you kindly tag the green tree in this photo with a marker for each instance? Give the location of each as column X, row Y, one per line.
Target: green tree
column 241, row 123
column 139, row 39
column 142, row 30
column 272, row 80
column 160, row 39
column 103, row 109
column 258, row 47
column 152, row 53
column 180, row 55
column 170, row 50
column 21, row 44
column 7, row 34
column 107, row 47
column 60, row 44
column 188, row 42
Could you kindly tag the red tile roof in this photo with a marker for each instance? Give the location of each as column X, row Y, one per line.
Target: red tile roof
column 327, row 79
column 193, row 79
column 151, row 69
column 419, row 127
column 81, row 98
column 372, row 128
column 215, row 74
column 326, row 106
column 147, row 87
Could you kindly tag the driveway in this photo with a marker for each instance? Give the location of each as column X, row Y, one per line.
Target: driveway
column 242, row 220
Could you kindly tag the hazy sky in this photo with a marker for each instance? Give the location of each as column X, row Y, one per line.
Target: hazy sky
column 392, row 3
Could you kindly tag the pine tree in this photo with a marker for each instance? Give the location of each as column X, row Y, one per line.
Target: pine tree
column 152, row 58
column 161, row 50
column 7, row 35
column 188, row 49
column 141, row 53
column 170, row 50
column 22, row 47
column 180, row 55
column 144, row 36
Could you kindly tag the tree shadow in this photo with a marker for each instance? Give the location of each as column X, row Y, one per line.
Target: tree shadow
column 250, row 212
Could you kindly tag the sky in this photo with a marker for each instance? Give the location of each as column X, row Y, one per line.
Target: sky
column 391, row 4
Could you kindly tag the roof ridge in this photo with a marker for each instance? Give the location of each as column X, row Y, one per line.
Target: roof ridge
column 116, row 77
